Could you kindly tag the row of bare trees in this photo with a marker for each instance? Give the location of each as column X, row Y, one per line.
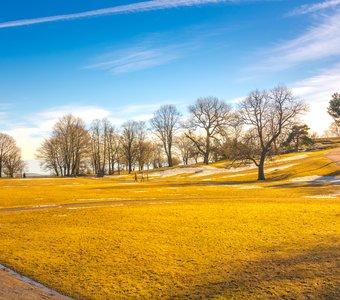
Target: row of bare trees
column 11, row 163
column 257, row 128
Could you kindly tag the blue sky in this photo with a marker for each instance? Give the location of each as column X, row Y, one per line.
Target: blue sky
column 123, row 59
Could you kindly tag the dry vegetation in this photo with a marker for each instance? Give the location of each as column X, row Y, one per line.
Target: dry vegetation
column 216, row 236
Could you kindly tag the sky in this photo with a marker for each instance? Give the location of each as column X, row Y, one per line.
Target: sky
column 121, row 60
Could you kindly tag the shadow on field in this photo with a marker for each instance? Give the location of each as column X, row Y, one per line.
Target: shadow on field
column 317, row 182
column 287, row 175
column 311, row 274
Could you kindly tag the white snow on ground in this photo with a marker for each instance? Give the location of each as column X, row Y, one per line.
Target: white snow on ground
column 206, row 170
column 14, row 186
column 199, row 171
column 96, row 199
column 317, row 179
column 209, row 170
column 249, row 187
column 176, row 171
column 301, row 156
column 322, row 197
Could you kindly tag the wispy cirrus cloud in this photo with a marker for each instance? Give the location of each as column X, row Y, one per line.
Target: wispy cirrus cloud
column 317, row 91
column 320, row 41
column 315, row 7
column 155, row 49
column 139, row 57
column 129, row 8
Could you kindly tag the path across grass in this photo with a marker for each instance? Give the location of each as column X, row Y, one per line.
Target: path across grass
column 17, row 287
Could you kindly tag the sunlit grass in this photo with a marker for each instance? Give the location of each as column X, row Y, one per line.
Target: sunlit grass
column 181, row 237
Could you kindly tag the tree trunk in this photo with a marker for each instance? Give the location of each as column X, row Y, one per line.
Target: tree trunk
column 130, row 166
column 207, row 150
column 169, row 156
column 261, row 167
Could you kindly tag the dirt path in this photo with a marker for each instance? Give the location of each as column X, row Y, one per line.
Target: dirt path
column 16, row 287
column 334, row 155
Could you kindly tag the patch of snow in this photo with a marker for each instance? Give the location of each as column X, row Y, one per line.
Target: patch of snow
column 301, row 156
column 317, row 179
column 91, row 199
column 14, row 186
column 43, row 206
column 176, row 171
column 322, row 197
column 206, row 170
column 250, row 187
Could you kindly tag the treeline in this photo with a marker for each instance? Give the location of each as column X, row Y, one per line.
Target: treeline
column 264, row 123
column 11, row 163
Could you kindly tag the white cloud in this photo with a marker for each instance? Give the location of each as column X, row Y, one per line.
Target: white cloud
column 139, row 57
column 320, row 41
column 129, row 8
column 87, row 113
column 315, row 7
column 28, row 139
column 40, row 124
column 317, row 91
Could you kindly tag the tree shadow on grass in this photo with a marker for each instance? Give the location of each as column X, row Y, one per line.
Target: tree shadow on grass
column 324, row 180
column 310, row 274
column 287, row 175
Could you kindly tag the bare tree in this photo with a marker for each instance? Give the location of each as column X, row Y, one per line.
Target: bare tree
column 211, row 116
column 267, row 114
column 7, row 145
column 132, row 136
column 333, row 130
column 157, row 158
column 114, row 150
column 10, row 156
column 67, row 150
column 164, row 123
column 51, row 156
column 187, row 149
column 101, row 133
column 142, row 145
column 14, row 164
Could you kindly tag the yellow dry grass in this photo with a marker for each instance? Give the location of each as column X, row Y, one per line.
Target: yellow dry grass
column 179, row 237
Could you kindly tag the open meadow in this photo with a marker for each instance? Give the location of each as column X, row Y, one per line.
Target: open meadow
column 186, row 233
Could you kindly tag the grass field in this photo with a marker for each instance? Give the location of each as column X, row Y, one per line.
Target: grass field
column 186, row 236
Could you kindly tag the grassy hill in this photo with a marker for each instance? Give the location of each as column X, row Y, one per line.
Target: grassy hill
column 186, row 233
